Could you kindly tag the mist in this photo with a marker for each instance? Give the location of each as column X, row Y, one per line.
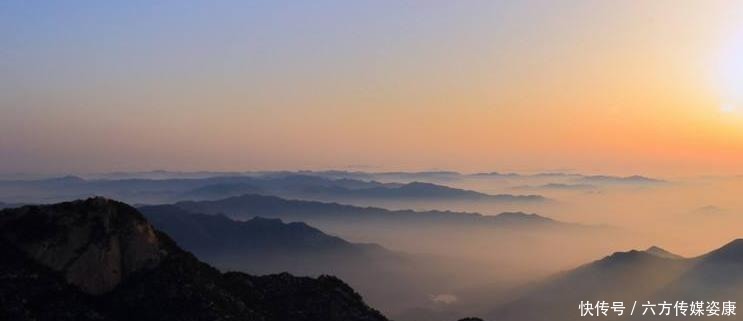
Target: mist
column 445, row 258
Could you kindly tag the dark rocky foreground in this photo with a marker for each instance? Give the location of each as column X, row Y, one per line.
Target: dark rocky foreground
column 99, row 259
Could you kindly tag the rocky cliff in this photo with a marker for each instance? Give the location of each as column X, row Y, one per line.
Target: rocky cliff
column 99, row 259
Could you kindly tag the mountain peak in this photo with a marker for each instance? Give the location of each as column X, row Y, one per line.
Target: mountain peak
column 660, row 252
column 521, row 217
column 731, row 252
column 423, row 186
column 94, row 243
column 66, row 179
column 634, row 179
column 628, row 258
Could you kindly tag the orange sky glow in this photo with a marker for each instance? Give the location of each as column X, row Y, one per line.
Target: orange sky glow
column 620, row 87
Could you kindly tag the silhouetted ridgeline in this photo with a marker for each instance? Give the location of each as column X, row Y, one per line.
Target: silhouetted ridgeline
column 390, row 281
column 653, row 275
column 101, row 260
column 634, row 179
column 260, row 244
column 249, row 206
column 9, row 205
column 292, row 185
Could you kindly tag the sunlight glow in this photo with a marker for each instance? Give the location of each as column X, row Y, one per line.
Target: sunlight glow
column 728, row 108
column 730, row 70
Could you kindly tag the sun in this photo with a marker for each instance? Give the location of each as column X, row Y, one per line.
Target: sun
column 728, row 108
column 730, row 71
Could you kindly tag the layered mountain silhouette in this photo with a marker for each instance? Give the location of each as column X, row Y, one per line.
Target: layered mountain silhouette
column 556, row 186
column 347, row 189
column 654, row 275
column 261, row 245
column 439, row 176
column 634, row 180
column 251, row 205
column 99, row 259
column 448, row 176
column 433, row 191
column 290, row 185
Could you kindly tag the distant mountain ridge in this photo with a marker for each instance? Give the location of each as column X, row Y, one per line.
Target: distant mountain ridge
column 213, row 236
column 160, row 187
column 292, row 185
column 556, row 186
column 261, row 246
column 250, row 205
column 634, row 179
column 346, row 189
column 421, row 190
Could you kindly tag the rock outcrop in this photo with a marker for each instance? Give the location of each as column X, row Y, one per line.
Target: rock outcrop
column 93, row 243
column 99, row 259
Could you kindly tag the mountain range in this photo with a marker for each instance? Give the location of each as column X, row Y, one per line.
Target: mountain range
column 346, row 189
column 451, row 176
column 100, row 259
column 252, row 205
column 261, row 245
column 290, row 185
column 556, row 186
column 653, row 275
column 626, row 180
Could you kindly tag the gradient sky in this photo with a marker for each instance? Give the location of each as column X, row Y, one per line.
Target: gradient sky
column 651, row 87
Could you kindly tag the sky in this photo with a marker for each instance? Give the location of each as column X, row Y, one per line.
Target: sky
column 623, row 87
